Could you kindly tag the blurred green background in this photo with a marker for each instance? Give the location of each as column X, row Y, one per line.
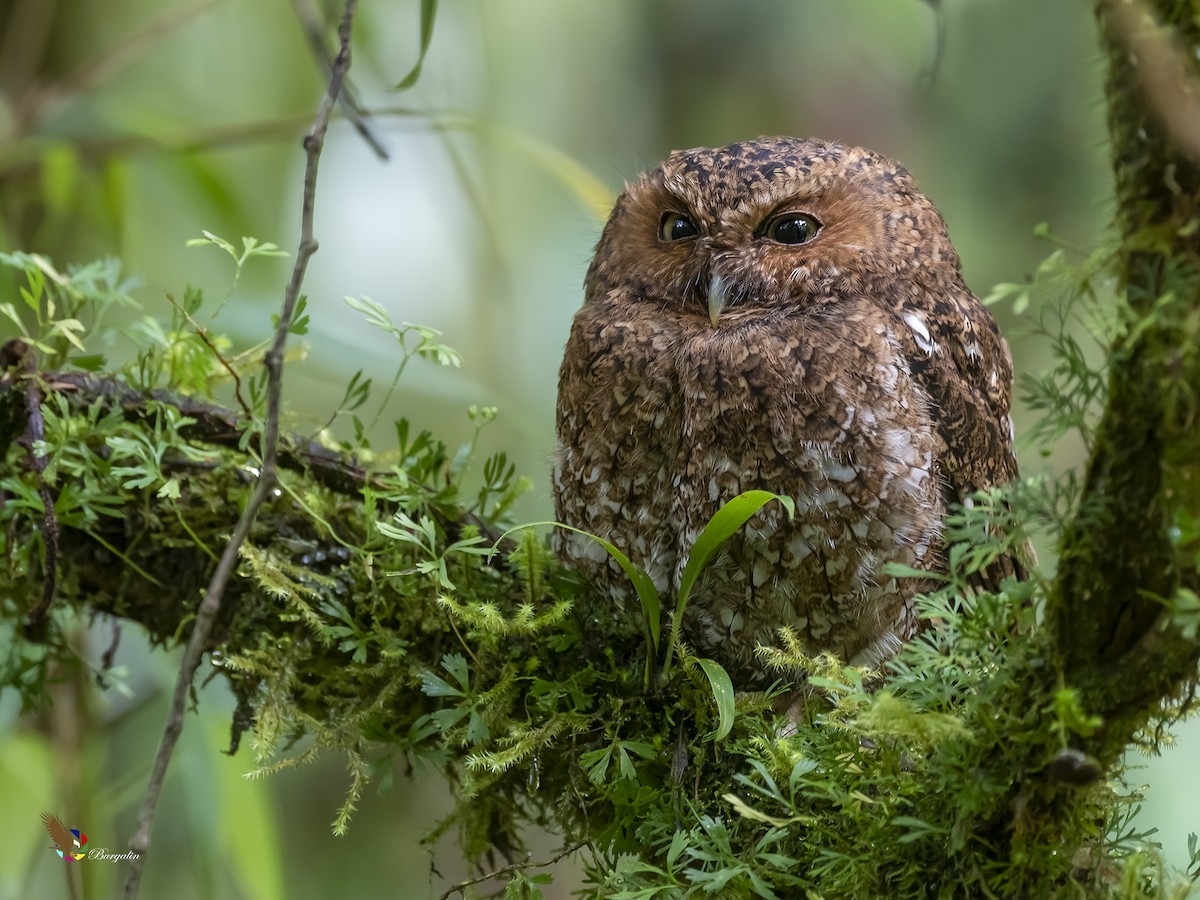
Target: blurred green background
column 127, row 126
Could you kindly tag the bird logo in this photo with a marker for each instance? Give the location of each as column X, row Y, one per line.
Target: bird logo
column 68, row 842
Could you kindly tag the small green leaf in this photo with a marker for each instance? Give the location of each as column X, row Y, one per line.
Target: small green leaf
column 625, row 765
column 433, row 686
column 428, row 15
column 722, row 688
column 375, row 313
column 252, row 246
column 300, row 320
column 213, row 240
column 678, row 841
column 68, row 328
column 1185, row 610
column 52, row 273
column 727, row 520
column 918, row 828
column 456, row 665
column 641, row 748
column 477, row 730
column 746, row 811
column 9, row 310
column 595, row 762
column 724, row 523
column 445, row 719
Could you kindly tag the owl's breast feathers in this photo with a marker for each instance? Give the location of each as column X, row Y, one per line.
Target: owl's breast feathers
column 663, row 419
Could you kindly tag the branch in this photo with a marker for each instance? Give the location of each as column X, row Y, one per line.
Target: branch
column 214, row 425
column 211, row 605
column 1121, row 568
column 314, row 30
column 462, row 886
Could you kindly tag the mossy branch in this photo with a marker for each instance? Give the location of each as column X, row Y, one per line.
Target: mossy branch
column 1133, row 545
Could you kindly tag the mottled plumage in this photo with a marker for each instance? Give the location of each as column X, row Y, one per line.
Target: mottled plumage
column 786, row 315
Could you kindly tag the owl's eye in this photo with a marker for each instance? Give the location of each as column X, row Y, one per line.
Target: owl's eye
column 675, row 226
column 793, row 228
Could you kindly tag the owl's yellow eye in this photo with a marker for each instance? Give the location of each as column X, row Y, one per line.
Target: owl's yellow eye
column 793, row 228
column 675, row 226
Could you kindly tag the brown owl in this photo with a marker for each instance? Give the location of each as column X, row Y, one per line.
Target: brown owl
column 786, row 315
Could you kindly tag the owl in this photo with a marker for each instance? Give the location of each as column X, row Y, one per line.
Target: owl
column 786, row 315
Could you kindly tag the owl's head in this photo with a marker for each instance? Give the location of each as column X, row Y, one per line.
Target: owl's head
column 772, row 223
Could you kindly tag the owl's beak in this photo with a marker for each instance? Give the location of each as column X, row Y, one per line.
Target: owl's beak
column 718, row 296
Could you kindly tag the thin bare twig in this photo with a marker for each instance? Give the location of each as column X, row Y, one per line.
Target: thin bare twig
column 202, row 333
column 462, row 886
column 313, row 26
column 207, row 612
column 106, row 660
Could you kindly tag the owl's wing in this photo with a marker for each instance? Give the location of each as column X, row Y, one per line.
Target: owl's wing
column 957, row 354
